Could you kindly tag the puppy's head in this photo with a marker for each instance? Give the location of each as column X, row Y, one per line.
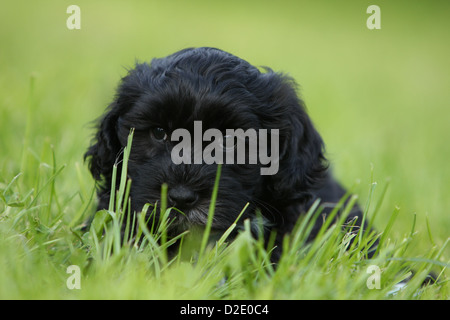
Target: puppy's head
column 222, row 92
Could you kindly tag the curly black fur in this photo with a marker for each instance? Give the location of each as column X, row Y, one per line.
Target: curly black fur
column 223, row 91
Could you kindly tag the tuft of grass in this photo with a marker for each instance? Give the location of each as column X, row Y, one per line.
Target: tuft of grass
column 120, row 257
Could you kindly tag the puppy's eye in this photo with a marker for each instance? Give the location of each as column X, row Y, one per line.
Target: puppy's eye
column 159, row 134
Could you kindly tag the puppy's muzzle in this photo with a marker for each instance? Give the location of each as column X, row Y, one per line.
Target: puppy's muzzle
column 182, row 197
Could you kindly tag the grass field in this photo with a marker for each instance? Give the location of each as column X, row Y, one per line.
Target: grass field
column 380, row 99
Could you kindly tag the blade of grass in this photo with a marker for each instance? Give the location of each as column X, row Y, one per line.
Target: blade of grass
column 227, row 233
column 211, row 211
column 124, row 173
column 387, row 229
column 163, row 219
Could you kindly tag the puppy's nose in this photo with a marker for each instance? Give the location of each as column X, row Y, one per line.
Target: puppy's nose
column 182, row 197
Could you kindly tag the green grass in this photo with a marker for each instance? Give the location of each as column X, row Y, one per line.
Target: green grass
column 39, row 245
column 379, row 98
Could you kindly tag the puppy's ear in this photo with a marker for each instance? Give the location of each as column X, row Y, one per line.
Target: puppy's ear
column 106, row 146
column 302, row 164
column 102, row 154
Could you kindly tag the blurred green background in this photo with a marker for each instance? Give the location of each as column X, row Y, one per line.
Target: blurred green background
column 379, row 97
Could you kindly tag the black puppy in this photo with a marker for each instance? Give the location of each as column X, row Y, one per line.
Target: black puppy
column 220, row 91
